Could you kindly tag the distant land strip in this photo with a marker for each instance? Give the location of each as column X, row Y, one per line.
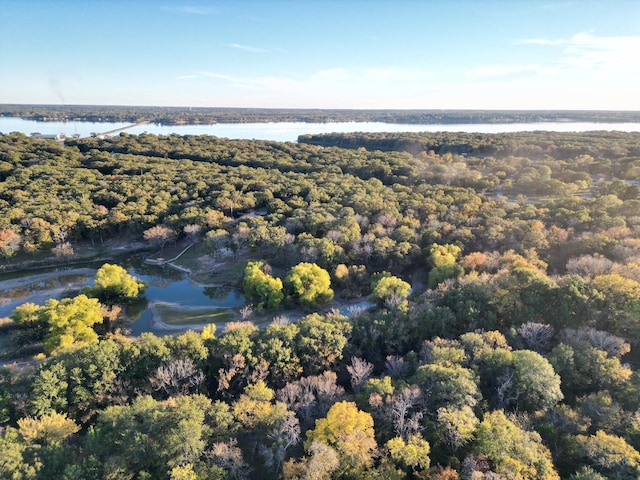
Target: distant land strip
column 212, row 115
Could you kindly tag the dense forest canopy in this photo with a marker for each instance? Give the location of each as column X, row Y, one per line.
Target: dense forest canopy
column 209, row 115
column 503, row 273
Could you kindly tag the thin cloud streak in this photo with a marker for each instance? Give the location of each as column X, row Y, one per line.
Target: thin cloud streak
column 191, row 10
column 246, row 48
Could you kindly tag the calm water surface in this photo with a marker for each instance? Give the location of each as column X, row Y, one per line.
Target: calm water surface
column 289, row 131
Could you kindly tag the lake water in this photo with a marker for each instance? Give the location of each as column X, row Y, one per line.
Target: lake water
column 289, row 131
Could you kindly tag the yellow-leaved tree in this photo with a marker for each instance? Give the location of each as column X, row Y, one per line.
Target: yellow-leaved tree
column 348, row 430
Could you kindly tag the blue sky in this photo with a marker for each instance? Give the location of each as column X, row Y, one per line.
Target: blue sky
column 517, row 54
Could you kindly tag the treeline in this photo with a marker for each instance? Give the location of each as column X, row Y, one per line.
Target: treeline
column 532, row 145
column 209, row 115
column 505, row 289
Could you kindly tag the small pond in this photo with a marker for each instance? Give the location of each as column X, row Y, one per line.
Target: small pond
column 165, row 287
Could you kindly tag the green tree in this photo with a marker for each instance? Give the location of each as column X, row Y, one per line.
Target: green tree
column 520, row 380
column 31, row 324
column 70, row 322
column 14, row 463
column 260, row 288
column 112, row 285
column 309, row 284
column 391, row 290
column 81, row 381
column 148, row 439
column 277, row 346
column 255, row 408
column 456, row 428
column 443, row 260
column 586, row 473
column 321, row 341
column 412, row 454
column 513, row 452
column 451, row 387
column 611, row 454
column 585, row 369
column 6, row 396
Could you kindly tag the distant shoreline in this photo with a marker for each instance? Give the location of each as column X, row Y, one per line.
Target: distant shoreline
column 213, row 115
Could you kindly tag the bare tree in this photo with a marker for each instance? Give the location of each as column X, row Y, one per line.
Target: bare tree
column 322, row 463
column 396, row 366
column 284, row 436
column 280, row 320
column 360, row 371
column 9, row 242
column 229, row 456
column 354, row 311
column 311, row 397
column 246, row 311
column 159, row 235
column 614, row 346
column 537, row 336
column 234, row 365
column 476, row 467
column 589, row 266
column 260, row 371
column 118, row 392
column 504, row 393
column 394, row 301
column 177, row 377
column 405, row 421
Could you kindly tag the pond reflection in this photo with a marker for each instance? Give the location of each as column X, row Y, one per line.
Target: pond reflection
column 163, row 285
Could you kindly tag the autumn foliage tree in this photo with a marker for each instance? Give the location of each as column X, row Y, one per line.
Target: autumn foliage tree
column 159, row 235
column 348, row 430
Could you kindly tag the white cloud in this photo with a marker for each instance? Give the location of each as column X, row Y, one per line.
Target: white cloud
column 190, row 10
column 246, row 48
column 222, row 76
column 586, row 51
column 603, row 53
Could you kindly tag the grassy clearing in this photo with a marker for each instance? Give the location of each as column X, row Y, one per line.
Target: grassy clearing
column 178, row 316
column 229, row 272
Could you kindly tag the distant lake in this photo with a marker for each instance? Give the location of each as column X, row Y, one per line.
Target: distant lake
column 289, row 131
